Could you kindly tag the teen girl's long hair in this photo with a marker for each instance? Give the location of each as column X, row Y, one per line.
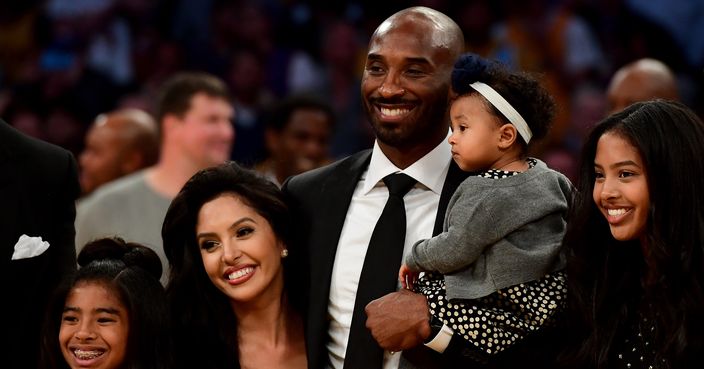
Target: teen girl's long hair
column 606, row 281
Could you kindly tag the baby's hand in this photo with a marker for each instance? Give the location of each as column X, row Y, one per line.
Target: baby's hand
column 407, row 277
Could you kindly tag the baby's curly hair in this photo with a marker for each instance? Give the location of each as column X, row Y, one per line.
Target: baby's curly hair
column 520, row 89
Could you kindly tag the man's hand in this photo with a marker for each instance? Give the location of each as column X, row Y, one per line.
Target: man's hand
column 399, row 320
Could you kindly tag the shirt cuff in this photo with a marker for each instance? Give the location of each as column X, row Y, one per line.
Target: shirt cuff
column 441, row 340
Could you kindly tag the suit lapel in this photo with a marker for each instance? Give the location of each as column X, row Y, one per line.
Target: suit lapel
column 8, row 141
column 455, row 176
column 331, row 202
column 335, row 197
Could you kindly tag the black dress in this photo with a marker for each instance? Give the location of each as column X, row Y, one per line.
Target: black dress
column 635, row 346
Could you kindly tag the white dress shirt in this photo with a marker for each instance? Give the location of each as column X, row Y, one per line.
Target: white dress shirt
column 367, row 203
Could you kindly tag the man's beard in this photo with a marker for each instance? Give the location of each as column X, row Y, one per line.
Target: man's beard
column 407, row 133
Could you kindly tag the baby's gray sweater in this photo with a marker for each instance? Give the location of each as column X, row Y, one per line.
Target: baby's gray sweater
column 498, row 233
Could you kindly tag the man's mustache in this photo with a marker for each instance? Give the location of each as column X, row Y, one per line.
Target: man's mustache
column 392, row 101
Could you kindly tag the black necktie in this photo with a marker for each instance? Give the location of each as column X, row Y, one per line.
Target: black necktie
column 379, row 273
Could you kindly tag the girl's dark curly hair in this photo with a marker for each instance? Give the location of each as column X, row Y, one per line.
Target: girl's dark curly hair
column 522, row 91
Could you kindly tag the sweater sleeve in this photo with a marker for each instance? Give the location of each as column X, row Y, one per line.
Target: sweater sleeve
column 468, row 231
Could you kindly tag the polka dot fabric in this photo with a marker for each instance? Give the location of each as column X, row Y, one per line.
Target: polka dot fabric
column 498, row 174
column 495, row 322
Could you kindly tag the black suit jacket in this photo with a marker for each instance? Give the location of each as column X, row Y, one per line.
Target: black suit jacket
column 319, row 200
column 38, row 189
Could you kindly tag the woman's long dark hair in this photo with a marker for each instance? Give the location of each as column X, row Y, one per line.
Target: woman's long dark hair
column 130, row 271
column 606, row 278
column 205, row 326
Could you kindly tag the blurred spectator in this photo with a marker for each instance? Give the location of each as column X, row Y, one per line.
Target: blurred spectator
column 250, row 99
column 191, row 21
column 195, row 118
column 293, row 66
column 683, row 23
column 140, row 100
column 682, row 19
column 547, row 37
column 63, row 127
column 343, row 54
column 297, row 137
column 642, row 80
column 63, row 62
column 88, row 50
column 18, row 31
column 118, row 143
column 588, row 107
column 93, row 31
column 476, row 18
column 157, row 61
column 27, row 121
column 563, row 161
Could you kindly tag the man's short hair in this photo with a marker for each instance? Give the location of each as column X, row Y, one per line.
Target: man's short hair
column 280, row 116
column 176, row 93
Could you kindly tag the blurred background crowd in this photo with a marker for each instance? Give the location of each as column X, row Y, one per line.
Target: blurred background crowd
column 65, row 63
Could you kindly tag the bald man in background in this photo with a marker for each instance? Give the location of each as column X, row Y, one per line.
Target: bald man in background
column 642, row 80
column 118, row 143
column 195, row 115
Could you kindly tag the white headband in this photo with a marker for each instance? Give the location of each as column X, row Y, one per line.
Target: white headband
column 505, row 108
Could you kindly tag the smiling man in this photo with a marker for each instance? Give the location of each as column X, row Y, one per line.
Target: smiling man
column 405, row 88
column 195, row 117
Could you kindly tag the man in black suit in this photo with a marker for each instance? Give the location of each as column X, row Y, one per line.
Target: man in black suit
column 38, row 189
column 405, row 90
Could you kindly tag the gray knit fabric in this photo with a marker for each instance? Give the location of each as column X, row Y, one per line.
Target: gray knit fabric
column 498, row 233
column 128, row 208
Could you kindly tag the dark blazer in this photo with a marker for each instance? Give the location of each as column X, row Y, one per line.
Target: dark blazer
column 38, row 189
column 319, row 200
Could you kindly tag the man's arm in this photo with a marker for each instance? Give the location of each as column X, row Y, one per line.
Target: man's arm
column 399, row 320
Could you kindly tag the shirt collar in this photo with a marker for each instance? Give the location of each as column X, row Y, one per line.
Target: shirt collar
column 430, row 170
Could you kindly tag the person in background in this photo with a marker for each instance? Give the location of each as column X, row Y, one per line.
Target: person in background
column 297, row 137
column 634, row 241
column 642, row 80
column 38, row 190
column 118, row 143
column 112, row 314
column 195, row 119
column 232, row 290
